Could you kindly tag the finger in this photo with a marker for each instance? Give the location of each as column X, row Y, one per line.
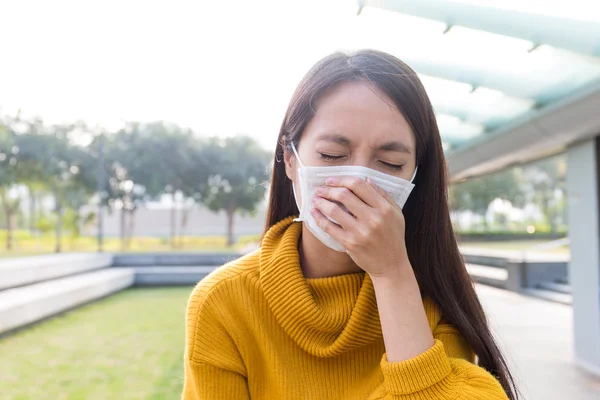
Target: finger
column 334, row 211
column 344, row 196
column 335, row 231
column 383, row 193
column 359, row 187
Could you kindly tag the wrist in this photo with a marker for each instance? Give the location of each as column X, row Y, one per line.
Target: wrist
column 404, row 322
column 402, row 273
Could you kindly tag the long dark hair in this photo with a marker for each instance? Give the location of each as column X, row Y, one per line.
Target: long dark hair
column 430, row 240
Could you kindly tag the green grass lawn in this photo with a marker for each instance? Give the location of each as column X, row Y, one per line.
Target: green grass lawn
column 127, row 346
column 26, row 245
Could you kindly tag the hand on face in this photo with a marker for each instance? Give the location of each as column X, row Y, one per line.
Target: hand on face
column 372, row 233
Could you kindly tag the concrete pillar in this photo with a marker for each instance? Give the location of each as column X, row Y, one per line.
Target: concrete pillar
column 583, row 181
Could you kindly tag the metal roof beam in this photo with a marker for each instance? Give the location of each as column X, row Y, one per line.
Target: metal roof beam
column 547, row 131
column 575, row 35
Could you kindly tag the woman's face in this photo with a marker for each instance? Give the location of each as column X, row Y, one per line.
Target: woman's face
column 356, row 124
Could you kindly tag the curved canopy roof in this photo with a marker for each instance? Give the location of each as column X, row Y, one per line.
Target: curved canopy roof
column 490, row 64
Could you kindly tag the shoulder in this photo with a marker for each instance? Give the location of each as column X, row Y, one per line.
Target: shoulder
column 210, row 330
column 241, row 271
column 478, row 383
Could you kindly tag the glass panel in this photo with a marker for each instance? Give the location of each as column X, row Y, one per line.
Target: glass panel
column 493, row 108
column 585, row 10
column 527, row 198
column 480, row 105
column 454, row 130
column 513, row 66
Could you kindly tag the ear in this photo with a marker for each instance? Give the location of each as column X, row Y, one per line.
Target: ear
column 290, row 161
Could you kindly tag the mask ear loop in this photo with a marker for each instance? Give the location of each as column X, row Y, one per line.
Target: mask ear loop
column 414, row 175
column 300, row 206
column 296, row 154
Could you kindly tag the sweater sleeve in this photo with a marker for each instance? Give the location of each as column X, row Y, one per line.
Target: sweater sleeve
column 213, row 367
column 205, row 381
column 443, row 372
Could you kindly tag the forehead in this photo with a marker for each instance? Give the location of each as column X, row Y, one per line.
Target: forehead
column 361, row 112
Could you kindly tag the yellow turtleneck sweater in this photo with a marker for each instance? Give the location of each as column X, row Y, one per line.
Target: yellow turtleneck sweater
column 257, row 329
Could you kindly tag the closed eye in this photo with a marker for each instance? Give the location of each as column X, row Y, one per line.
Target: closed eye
column 329, row 157
column 393, row 167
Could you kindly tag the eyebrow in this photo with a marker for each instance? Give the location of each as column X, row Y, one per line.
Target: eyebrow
column 336, row 138
column 393, row 145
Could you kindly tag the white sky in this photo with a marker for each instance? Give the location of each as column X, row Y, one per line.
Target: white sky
column 220, row 67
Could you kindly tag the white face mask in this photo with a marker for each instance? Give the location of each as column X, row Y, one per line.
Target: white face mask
column 309, row 178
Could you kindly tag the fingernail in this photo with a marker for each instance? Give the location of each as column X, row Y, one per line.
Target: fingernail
column 314, row 200
column 319, row 190
column 330, row 181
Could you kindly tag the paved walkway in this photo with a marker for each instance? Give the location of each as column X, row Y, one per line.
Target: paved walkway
column 537, row 337
column 529, row 255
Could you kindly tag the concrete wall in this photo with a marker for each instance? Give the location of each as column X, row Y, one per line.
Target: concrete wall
column 201, row 221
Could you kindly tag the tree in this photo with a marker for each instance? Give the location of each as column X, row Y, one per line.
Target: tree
column 194, row 172
column 239, row 168
column 9, row 157
column 475, row 195
column 123, row 193
column 65, row 169
column 155, row 159
column 126, row 196
column 16, row 166
column 545, row 186
column 142, row 161
column 173, row 153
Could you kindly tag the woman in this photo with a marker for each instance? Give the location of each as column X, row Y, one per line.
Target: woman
column 365, row 294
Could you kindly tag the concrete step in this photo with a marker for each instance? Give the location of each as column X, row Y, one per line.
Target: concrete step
column 491, row 276
column 497, row 256
column 481, row 258
column 170, row 275
column 172, row 259
column 25, row 305
column 22, row 271
column 555, row 287
column 550, row 295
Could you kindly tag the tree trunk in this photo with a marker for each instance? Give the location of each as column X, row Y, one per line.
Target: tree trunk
column 122, row 228
column 10, row 226
column 230, row 239
column 552, row 219
column 546, row 211
column 59, row 224
column 131, row 227
column 32, row 212
column 486, row 225
column 173, row 220
column 9, row 221
column 185, row 213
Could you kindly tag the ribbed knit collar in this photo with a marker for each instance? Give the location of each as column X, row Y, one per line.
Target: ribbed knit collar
column 338, row 314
